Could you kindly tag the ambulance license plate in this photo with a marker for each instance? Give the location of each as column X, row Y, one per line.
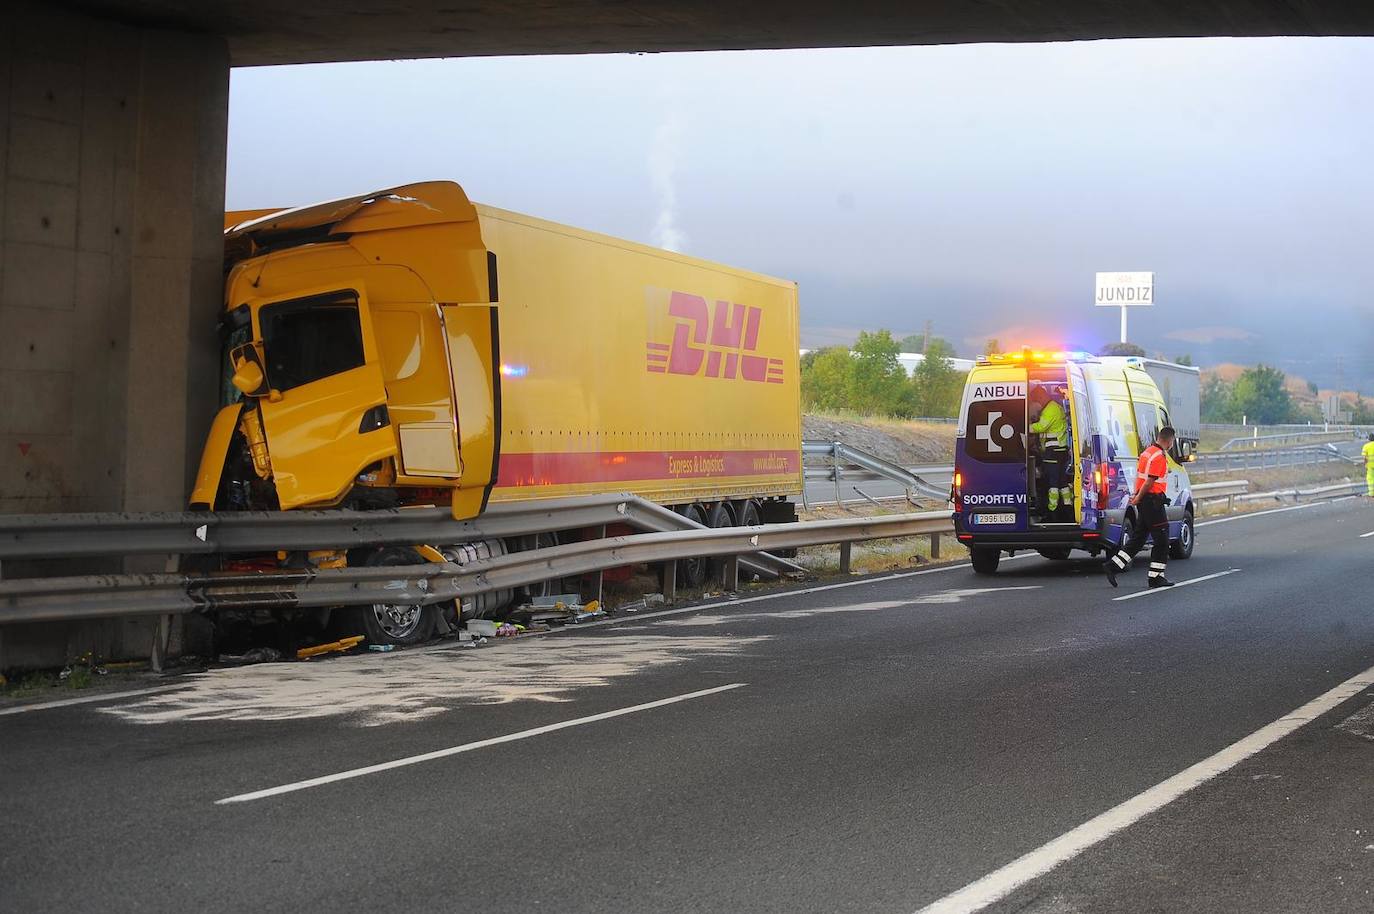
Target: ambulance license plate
column 995, row 518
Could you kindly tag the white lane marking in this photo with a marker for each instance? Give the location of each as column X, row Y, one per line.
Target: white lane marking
column 469, row 747
column 723, row 604
column 1370, row 533
column 87, row 699
column 1002, row 882
column 1177, row 585
column 1227, row 520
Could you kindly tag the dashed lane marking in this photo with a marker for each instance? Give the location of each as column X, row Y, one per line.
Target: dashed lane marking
column 469, row 747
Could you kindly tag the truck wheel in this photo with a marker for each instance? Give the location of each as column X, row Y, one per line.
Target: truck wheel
column 985, row 560
column 691, row 573
column 749, row 515
column 1056, row 554
column 718, row 518
column 392, row 623
column 1182, row 548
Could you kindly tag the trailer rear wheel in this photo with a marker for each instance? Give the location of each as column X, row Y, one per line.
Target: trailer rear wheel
column 392, row 623
column 692, row 573
column 719, row 517
column 985, row 559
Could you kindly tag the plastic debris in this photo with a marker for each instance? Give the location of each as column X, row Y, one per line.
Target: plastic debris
column 481, row 628
column 256, row 655
column 342, row 644
column 506, row 630
column 382, row 648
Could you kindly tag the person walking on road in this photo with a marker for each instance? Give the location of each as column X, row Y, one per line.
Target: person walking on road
column 1368, row 451
column 1150, row 519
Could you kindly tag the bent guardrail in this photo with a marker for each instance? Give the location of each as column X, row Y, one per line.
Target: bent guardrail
column 105, row 596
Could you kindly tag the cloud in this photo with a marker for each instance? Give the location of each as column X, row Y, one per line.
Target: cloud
column 1204, row 335
column 663, row 153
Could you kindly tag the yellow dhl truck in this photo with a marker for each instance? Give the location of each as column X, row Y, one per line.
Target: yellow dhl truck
column 409, row 347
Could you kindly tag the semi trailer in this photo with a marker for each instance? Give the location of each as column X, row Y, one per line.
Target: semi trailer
column 410, row 347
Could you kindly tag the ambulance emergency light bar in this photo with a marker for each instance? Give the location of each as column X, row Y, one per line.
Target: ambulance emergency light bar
column 1035, row 355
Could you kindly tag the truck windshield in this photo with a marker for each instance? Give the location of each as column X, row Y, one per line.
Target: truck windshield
column 234, row 330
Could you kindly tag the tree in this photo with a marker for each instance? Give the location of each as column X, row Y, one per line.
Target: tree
column 880, row 382
column 1184, row 359
column 1121, row 349
column 1218, row 404
column 1260, row 396
column 938, row 386
column 826, row 378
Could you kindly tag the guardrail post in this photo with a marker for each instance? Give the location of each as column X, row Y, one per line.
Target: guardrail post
column 935, row 545
column 835, row 462
column 730, row 573
column 845, row 549
column 1230, row 504
column 596, row 577
column 669, row 582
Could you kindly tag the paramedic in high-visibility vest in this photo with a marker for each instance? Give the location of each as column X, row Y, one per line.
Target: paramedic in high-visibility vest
column 1052, row 425
column 1150, row 520
column 1368, row 451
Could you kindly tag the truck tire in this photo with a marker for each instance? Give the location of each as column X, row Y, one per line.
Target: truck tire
column 749, row 514
column 718, row 518
column 391, row 623
column 985, row 559
column 1182, row 548
column 692, row 573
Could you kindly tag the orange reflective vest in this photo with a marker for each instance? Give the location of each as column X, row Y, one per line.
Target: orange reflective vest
column 1153, row 462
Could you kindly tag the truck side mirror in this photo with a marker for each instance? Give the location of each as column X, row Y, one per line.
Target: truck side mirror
column 250, row 376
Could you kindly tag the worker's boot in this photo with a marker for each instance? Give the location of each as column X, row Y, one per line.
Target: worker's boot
column 1109, row 569
column 1160, row 580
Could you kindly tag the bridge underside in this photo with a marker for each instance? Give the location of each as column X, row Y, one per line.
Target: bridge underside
column 332, row 30
column 112, row 153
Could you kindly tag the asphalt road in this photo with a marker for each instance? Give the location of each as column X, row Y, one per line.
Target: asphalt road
column 870, row 747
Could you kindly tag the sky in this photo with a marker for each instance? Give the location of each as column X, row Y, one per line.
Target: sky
column 978, row 187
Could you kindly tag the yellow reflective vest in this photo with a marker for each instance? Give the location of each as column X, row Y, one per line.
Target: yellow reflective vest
column 1052, row 426
column 1368, row 451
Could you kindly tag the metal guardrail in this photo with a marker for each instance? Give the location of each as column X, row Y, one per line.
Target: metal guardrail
column 196, row 533
column 1339, row 490
column 1255, row 440
column 870, row 466
column 1216, row 491
column 104, row 596
column 1269, row 458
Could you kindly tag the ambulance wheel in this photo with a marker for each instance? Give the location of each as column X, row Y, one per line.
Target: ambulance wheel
column 392, row 623
column 1057, row 553
column 1182, row 547
column 985, row 560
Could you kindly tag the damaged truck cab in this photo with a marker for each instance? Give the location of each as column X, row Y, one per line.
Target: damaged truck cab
column 360, row 358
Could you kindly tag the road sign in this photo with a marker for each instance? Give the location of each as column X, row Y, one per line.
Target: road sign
column 1123, row 290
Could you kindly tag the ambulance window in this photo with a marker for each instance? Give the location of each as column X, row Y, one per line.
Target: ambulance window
column 1174, row 450
column 312, row 338
column 1146, row 423
column 1085, row 426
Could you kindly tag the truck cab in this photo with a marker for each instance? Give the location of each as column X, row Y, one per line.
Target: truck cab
column 1057, row 491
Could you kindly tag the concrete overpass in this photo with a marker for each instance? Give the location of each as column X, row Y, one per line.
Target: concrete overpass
column 112, row 160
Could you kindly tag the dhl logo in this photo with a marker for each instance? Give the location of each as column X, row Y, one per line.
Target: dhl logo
column 723, row 342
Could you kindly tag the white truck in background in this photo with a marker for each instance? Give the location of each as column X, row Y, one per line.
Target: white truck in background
column 1181, row 386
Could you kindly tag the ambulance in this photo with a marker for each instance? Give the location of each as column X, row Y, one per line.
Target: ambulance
column 1003, row 469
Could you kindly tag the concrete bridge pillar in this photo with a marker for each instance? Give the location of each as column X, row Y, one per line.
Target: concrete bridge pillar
column 112, row 158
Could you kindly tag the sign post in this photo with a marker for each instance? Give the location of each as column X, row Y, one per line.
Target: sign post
column 1124, row 290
